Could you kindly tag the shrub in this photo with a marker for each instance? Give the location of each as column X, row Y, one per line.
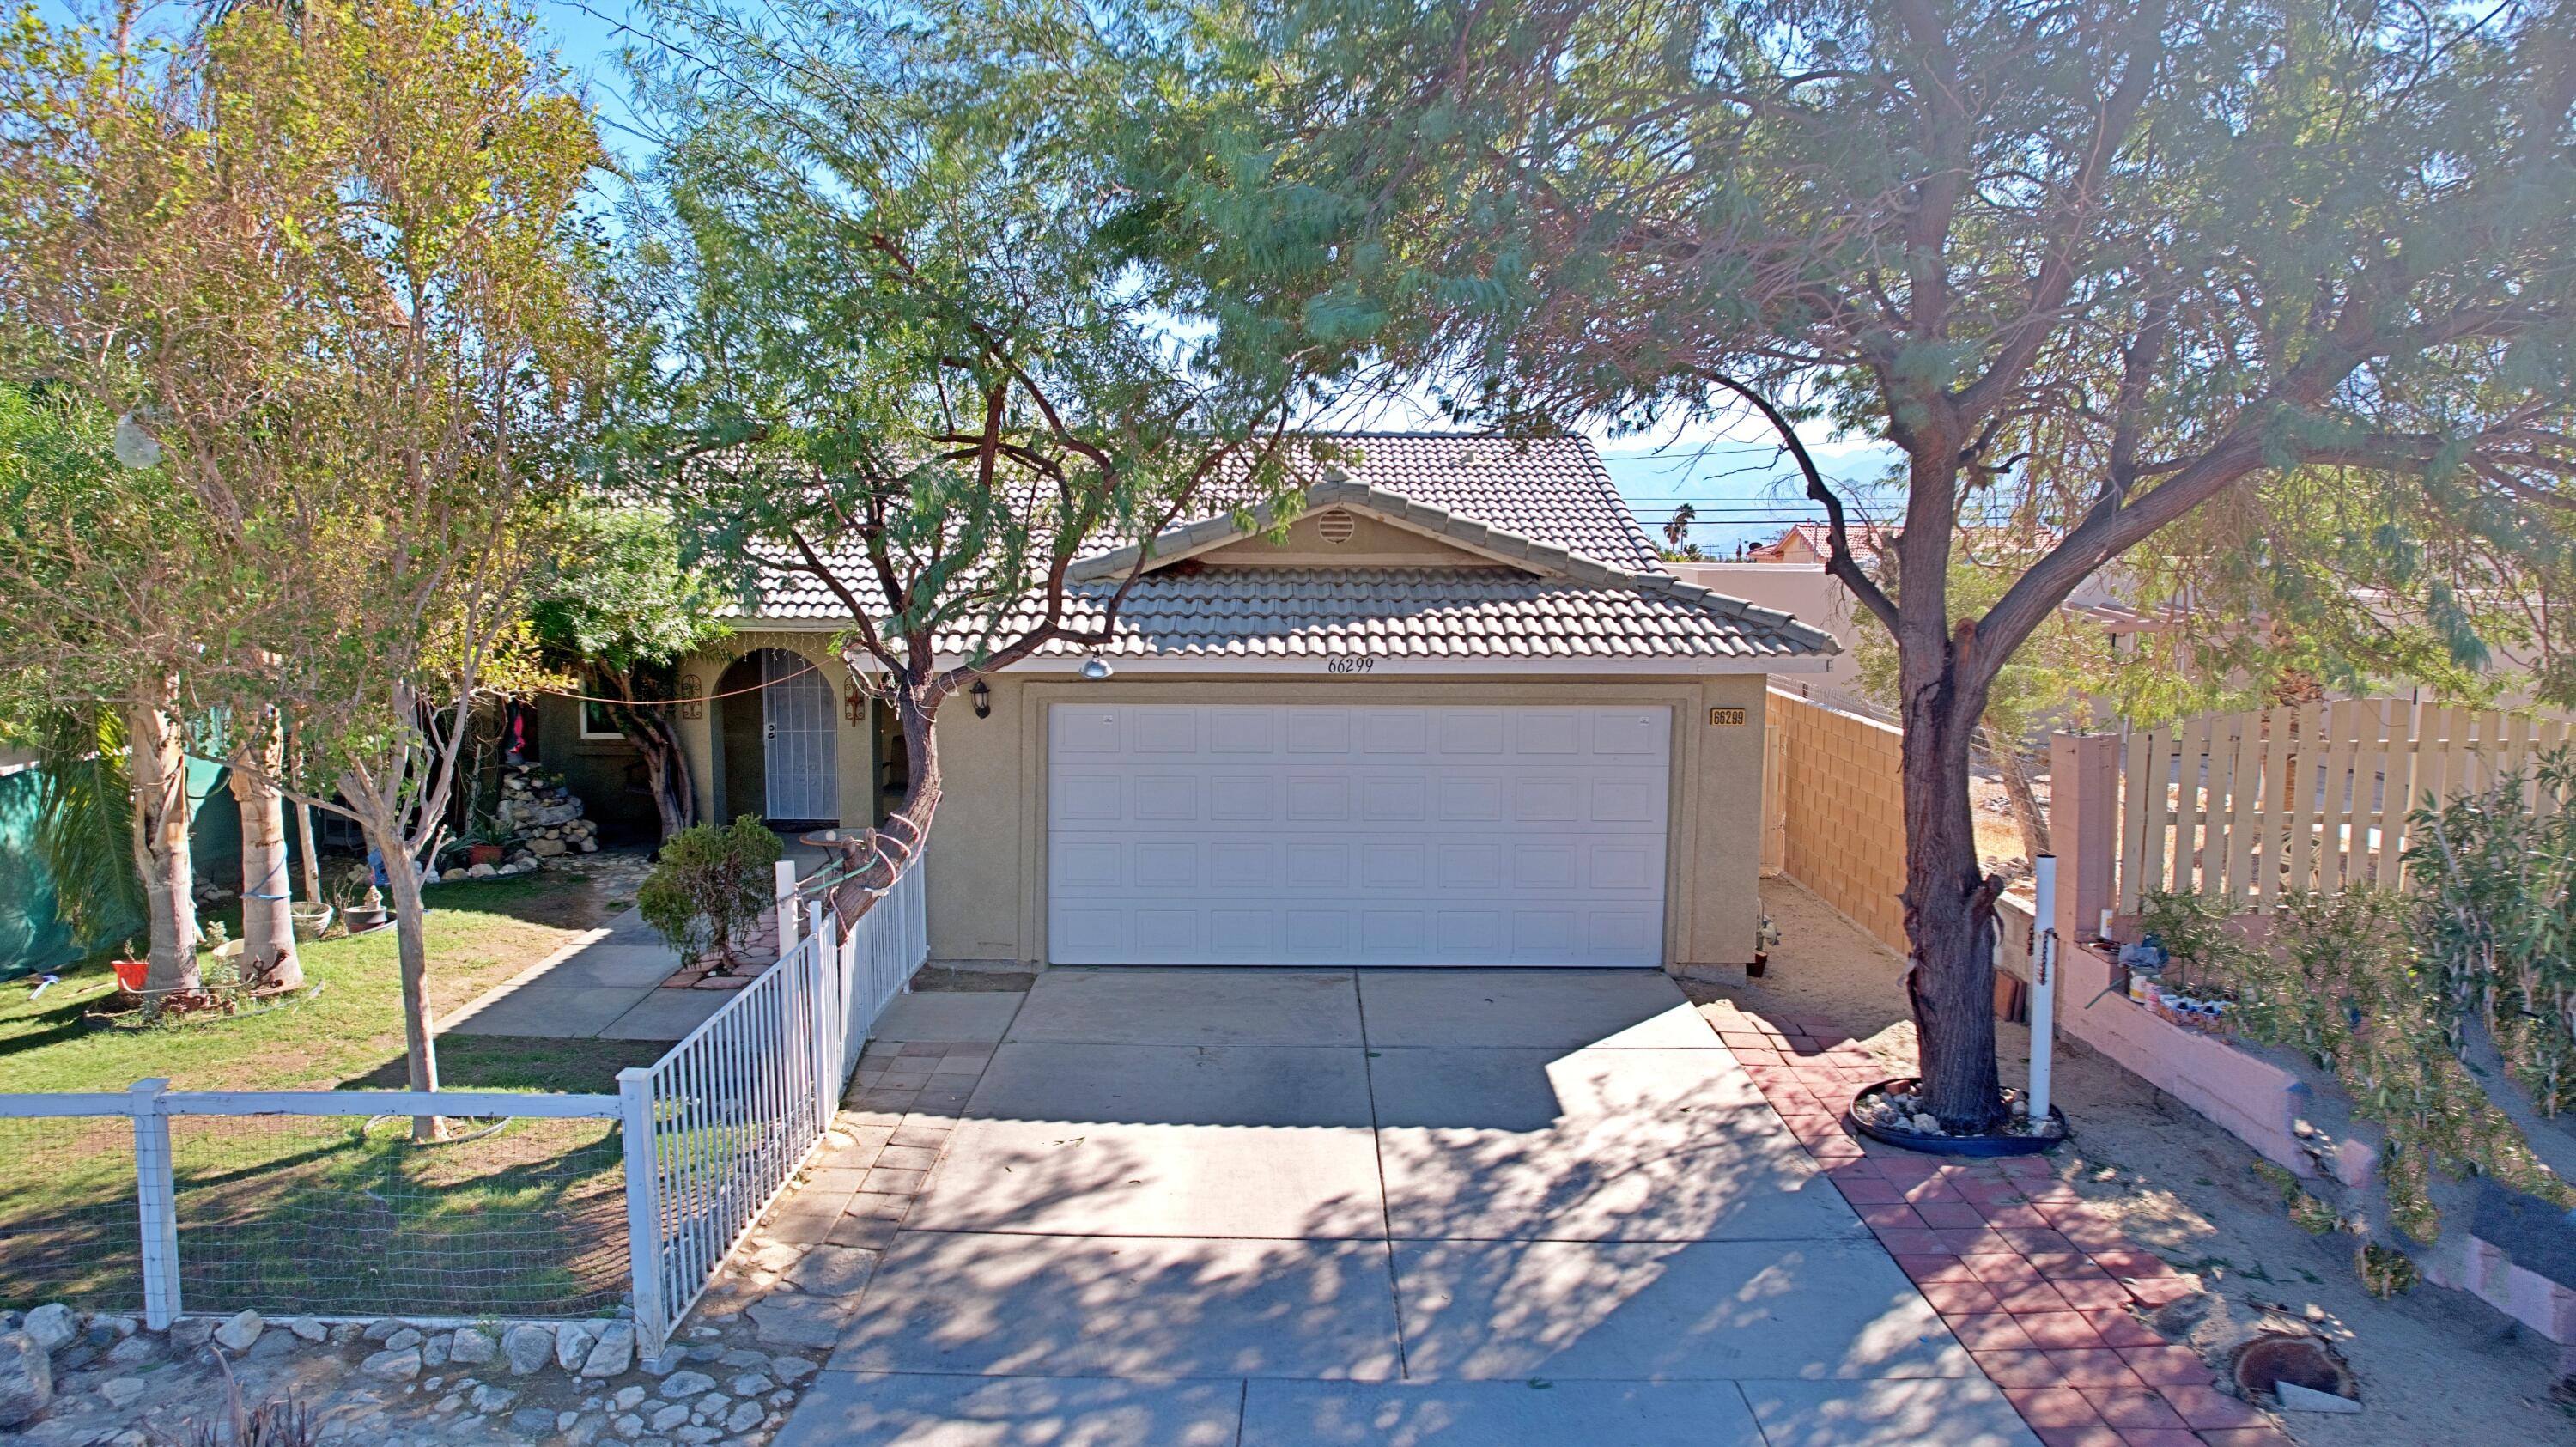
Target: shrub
column 711, row 884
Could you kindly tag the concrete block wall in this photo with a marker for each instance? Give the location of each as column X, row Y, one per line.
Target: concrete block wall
column 1843, row 797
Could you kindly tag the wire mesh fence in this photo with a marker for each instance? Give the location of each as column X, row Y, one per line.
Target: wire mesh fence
column 68, row 1228
column 350, row 1216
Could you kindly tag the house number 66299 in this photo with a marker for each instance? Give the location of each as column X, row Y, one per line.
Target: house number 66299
column 1349, row 663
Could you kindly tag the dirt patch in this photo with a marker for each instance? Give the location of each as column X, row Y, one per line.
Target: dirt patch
column 2431, row 1365
column 973, row 981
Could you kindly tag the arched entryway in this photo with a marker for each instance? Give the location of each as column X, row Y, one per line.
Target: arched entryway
column 779, row 727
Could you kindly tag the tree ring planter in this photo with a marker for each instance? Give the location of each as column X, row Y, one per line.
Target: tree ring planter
column 1981, row 1146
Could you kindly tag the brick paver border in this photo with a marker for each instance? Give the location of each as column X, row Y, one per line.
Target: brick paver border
column 2040, row 1285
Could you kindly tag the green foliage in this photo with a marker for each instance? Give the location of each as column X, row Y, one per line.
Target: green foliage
column 2499, row 871
column 2193, row 927
column 617, row 595
column 710, row 884
column 2343, row 979
column 85, row 830
column 892, row 330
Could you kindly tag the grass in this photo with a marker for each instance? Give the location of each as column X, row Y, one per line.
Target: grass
column 326, row 1214
column 349, row 1034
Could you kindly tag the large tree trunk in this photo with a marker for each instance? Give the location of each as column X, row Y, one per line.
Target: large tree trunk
column 1949, row 925
column 897, row 844
column 158, row 751
column 268, row 925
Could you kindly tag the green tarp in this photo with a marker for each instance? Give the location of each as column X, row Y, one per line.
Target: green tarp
column 32, row 936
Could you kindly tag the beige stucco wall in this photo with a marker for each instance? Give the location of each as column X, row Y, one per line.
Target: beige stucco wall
column 988, row 848
column 701, row 741
column 1844, row 796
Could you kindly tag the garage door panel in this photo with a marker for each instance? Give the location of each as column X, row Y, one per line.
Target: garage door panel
column 1242, row 864
column 1288, row 835
column 1395, row 798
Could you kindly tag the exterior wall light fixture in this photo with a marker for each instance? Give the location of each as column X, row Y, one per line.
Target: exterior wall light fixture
column 982, row 696
column 1096, row 668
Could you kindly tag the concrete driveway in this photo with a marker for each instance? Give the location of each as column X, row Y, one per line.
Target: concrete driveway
column 1242, row 1207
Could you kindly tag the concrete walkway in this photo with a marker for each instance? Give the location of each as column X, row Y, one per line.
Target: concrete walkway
column 1241, row 1207
column 605, row 985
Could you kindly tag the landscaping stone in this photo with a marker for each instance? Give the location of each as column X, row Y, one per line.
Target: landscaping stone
column 434, row 1351
column 241, row 1332
column 790, row 1370
column 751, row 1384
column 668, row 1416
column 189, row 1334
column 614, row 1354
column 307, row 1329
column 628, row 1399
column 26, row 1378
column 133, row 1351
column 469, row 1347
column 745, row 1417
column 528, row 1347
column 121, row 1391
column 687, row 1384
column 51, row 1325
column 573, row 1341
column 492, row 1399
column 532, row 1421
column 394, row 1364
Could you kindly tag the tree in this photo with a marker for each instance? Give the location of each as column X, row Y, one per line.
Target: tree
column 2120, row 264
column 1677, row 543
column 907, row 350
column 618, row 609
column 96, row 627
column 332, row 256
column 709, row 887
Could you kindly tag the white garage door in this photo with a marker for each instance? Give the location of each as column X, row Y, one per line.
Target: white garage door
column 1297, row 835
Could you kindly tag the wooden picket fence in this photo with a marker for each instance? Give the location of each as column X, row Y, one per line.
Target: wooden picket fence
column 2252, row 804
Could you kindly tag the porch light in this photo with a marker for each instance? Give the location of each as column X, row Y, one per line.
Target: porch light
column 982, row 696
column 1096, row 669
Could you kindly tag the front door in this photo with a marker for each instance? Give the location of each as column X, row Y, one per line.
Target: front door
column 800, row 741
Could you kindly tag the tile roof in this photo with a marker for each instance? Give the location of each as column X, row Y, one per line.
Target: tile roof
column 1474, row 612
column 1545, row 503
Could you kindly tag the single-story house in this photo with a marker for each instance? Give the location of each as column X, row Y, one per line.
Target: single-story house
column 1458, row 715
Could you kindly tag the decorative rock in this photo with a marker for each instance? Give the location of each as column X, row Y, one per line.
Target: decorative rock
column 629, row 1425
column 751, row 1384
column 394, row 1364
column 614, row 1355
column 790, row 1370
column 469, row 1347
column 382, row 1328
column 745, row 1417
column 26, row 1379
column 687, row 1384
column 564, row 1420
column 492, row 1399
column 307, row 1329
column 699, row 1436
column 239, row 1333
column 481, row 871
column 134, row 1351
column 627, row 1399
column 122, row 1326
column 710, row 1407
column 671, row 1415
column 528, row 1347
column 51, row 1325
column 121, row 1391
column 532, row 1421
column 405, row 1337
column 1925, row 1123
column 433, row 1351
column 188, row 1335
column 573, row 1341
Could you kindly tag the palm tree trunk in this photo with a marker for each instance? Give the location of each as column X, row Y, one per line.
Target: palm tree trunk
column 157, row 746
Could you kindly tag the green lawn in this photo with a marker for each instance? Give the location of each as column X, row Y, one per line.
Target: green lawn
column 306, row 1214
column 350, row 1034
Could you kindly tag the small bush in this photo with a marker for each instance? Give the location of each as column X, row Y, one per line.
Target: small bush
column 710, row 886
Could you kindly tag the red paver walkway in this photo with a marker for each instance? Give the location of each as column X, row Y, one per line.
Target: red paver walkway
column 2038, row 1283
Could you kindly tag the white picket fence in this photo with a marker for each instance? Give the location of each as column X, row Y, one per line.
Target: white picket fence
column 731, row 1113
column 711, row 1133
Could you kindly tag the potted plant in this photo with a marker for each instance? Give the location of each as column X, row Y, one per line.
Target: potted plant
column 487, row 841
column 709, row 887
column 131, row 972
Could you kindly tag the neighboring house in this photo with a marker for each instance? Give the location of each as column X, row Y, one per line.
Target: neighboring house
column 1458, row 715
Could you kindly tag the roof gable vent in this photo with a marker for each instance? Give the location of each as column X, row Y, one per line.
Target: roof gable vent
column 1335, row 526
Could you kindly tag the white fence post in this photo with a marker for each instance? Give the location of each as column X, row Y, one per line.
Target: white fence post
column 825, row 1025
column 156, row 1200
column 786, row 892
column 643, row 1210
